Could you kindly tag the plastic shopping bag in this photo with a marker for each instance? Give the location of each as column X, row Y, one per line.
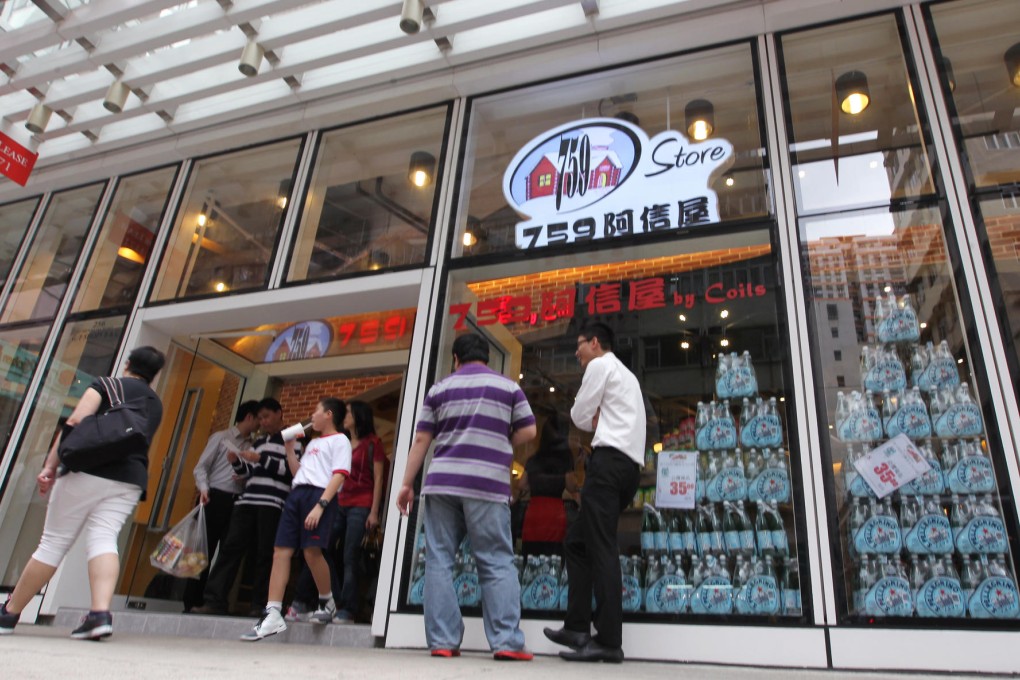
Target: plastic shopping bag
column 184, row 551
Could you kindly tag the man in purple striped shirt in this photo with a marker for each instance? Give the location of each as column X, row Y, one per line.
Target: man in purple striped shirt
column 475, row 416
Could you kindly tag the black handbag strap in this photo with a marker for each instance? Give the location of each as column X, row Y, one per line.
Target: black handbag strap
column 114, row 389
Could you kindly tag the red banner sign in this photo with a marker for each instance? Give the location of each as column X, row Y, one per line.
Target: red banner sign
column 16, row 161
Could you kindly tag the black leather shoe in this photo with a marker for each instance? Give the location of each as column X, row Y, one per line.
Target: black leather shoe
column 568, row 638
column 593, row 651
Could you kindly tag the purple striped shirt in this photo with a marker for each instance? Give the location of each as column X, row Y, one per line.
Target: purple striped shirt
column 471, row 415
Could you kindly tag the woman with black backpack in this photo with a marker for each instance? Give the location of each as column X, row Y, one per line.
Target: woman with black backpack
column 98, row 493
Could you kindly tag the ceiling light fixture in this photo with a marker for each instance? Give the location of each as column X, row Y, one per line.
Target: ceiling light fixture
column 700, row 116
column 130, row 254
column 411, row 15
column 1012, row 57
column 251, row 59
column 116, row 97
column 38, row 118
column 423, row 167
column 469, row 239
column 852, row 92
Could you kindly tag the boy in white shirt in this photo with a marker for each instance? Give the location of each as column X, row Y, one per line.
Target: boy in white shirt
column 307, row 517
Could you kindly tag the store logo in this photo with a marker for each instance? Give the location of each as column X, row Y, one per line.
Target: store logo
column 602, row 178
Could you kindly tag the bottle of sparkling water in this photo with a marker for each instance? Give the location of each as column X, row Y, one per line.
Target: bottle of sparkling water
column 791, row 604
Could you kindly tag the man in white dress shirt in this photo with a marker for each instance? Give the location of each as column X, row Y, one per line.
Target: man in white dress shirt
column 610, row 403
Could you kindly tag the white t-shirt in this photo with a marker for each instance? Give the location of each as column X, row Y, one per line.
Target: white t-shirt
column 323, row 458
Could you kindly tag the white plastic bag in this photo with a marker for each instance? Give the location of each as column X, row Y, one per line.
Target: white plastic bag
column 184, row 551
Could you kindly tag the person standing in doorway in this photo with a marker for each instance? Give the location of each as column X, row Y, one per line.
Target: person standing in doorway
column 307, row 519
column 610, row 403
column 360, row 500
column 256, row 513
column 218, row 486
column 97, row 501
column 475, row 416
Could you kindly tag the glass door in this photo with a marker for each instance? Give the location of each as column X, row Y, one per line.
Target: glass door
column 199, row 398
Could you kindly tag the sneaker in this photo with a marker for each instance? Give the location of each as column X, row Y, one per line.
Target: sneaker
column 94, row 626
column 297, row 611
column 512, row 655
column 271, row 623
column 324, row 614
column 445, row 653
column 7, row 620
column 343, row 616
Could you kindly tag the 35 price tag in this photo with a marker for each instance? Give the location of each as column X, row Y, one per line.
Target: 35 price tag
column 891, row 465
column 676, row 478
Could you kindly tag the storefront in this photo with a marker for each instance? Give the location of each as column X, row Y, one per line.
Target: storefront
column 804, row 232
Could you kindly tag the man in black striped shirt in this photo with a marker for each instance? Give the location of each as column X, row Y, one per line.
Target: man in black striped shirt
column 256, row 512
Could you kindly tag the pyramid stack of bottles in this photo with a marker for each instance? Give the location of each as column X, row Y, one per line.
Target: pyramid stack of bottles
column 731, row 554
column 937, row 546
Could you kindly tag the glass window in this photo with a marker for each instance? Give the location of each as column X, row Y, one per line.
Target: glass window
column 686, row 316
column 86, row 351
column 653, row 96
column 44, row 276
column 14, row 221
column 865, row 157
column 125, row 242
column 227, row 227
column 937, row 545
column 371, row 198
column 978, row 48
column 19, row 354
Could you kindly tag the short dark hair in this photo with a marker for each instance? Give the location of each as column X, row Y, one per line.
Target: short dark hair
column 471, row 347
column 597, row 329
column 247, row 408
column 145, row 362
column 364, row 421
column 270, row 404
column 337, row 408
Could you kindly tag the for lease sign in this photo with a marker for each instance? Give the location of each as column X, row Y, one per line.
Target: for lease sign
column 16, row 161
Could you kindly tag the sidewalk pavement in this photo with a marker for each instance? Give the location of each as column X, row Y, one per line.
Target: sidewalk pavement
column 45, row 652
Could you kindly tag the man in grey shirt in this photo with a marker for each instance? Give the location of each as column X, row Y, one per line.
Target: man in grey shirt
column 218, row 486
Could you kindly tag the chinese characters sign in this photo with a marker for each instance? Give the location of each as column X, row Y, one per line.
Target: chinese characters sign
column 676, row 479
column 600, row 298
column 603, row 178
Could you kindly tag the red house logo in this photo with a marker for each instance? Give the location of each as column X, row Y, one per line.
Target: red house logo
column 604, row 175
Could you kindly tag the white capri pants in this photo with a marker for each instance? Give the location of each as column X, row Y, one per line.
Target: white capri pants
column 83, row 501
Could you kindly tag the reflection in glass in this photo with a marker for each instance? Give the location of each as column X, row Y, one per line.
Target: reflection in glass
column 1000, row 220
column 703, row 340
column 19, row 354
column 14, row 221
column 370, row 202
column 227, row 227
column 86, row 351
column 845, row 160
column 125, row 241
column 656, row 97
column 43, row 278
column 890, row 349
column 975, row 37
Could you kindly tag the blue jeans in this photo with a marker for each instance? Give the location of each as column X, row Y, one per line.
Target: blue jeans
column 447, row 520
column 348, row 530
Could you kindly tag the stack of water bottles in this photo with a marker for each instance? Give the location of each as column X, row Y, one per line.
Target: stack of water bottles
column 698, row 562
column 937, row 546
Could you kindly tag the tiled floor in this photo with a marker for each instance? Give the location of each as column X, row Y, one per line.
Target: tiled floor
column 225, row 628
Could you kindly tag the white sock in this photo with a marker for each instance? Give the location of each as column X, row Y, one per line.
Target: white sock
column 278, row 606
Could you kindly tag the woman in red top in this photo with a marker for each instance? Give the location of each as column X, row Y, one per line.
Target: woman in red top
column 360, row 500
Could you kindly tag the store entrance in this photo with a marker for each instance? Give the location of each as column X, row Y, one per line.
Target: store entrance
column 205, row 380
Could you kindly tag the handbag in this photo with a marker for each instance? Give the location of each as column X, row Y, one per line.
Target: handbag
column 107, row 436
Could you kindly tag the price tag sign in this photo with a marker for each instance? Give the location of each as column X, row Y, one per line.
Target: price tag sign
column 676, row 477
column 891, row 465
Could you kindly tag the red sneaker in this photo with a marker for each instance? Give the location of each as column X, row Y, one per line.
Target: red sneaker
column 445, row 653
column 513, row 655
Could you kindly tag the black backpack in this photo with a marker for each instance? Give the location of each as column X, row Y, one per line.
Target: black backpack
column 107, row 436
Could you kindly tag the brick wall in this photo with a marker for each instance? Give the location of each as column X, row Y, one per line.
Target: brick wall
column 299, row 398
column 223, row 416
column 533, row 284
